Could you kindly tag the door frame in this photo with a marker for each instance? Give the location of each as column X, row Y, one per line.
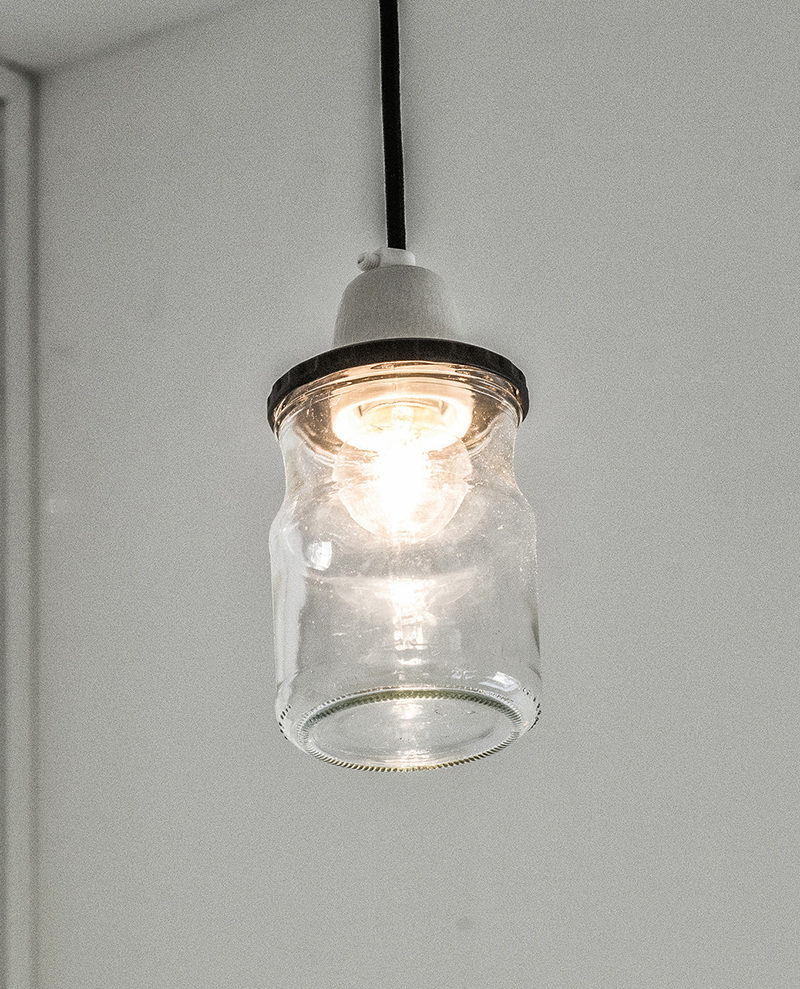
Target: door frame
column 18, row 531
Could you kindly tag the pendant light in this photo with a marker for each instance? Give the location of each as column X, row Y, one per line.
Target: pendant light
column 403, row 555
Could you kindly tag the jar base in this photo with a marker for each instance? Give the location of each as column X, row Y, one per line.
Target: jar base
column 398, row 729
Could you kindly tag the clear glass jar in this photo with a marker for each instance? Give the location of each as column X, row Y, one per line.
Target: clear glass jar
column 403, row 569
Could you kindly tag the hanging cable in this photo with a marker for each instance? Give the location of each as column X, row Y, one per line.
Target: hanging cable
column 392, row 128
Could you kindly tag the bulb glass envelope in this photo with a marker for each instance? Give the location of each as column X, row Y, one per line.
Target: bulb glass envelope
column 403, row 558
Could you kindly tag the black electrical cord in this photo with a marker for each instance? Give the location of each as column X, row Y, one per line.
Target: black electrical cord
column 392, row 128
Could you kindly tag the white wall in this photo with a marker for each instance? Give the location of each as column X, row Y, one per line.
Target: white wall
column 612, row 192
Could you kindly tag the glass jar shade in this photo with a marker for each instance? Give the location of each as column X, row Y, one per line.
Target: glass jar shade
column 403, row 565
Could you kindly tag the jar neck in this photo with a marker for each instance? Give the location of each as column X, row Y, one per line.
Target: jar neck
column 371, row 407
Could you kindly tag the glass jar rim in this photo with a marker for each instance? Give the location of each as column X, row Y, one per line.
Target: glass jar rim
column 399, row 354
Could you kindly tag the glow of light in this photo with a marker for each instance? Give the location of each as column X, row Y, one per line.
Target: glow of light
column 402, row 470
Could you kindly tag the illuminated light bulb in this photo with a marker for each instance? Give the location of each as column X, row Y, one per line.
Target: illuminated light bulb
column 402, row 471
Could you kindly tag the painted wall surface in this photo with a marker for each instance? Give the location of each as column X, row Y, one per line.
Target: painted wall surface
column 612, row 192
column 43, row 35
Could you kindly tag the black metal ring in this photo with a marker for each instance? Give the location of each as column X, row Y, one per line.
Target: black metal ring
column 423, row 349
